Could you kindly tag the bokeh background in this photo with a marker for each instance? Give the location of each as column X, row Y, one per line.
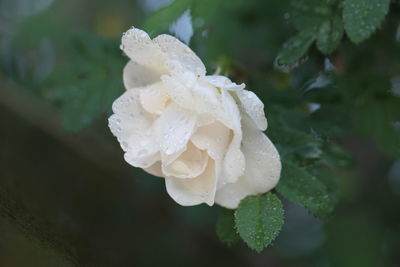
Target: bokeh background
column 67, row 198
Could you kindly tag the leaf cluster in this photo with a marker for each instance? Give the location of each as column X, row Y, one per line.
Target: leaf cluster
column 325, row 22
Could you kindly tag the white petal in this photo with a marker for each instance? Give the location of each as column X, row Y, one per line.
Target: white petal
column 254, row 107
column 230, row 195
column 178, row 93
column 198, row 96
column 191, row 163
column 141, row 49
column 155, row 169
column 167, row 159
column 214, row 138
column 205, row 119
column 234, row 161
column 264, row 164
column 263, row 168
column 154, row 98
column 223, row 82
column 141, row 157
column 208, row 104
column 137, row 141
column 133, row 128
column 174, row 128
column 176, row 50
column 208, row 99
column 136, row 75
column 232, row 110
column 189, row 192
column 129, row 117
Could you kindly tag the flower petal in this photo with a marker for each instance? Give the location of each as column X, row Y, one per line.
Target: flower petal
column 191, row 163
column 136, row 75
column 208, row 99
column 174, row 128
column 264, row 164
column 200, row 97
column 155, row 169
column 189, row 192
column 234, row 161
column 263, row 168
column 208, row 104
column 178, row 93
column 133, row 128
column 129, row 117
column 142, row 156
column 254, row 107
column 223, row 82
column 138, row 46
column 154, row 98
column 232, row 110
column 176, row 50
column 205, row 119
column 214, row 138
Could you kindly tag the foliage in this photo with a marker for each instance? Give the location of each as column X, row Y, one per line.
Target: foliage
column 259, row 220
column 84, row 92
column 226, row 227
column 362, row 18
column 160, row 20
column 299, row 185
column 325, row 22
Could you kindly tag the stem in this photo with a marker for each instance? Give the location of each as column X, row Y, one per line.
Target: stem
column 87, row 144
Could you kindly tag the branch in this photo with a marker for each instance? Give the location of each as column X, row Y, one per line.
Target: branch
column 87, row 144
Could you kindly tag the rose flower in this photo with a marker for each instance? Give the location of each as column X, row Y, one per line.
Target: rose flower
column 202, row 133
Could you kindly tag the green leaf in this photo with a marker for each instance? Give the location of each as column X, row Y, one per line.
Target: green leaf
column 160, row 20
column 309, row 151
column 308, row 14
column 259, row 219
column 225, row 227
column 290, row 140
column 300, row 186
column 362, row 17
column 338, row 156
column 85, row 86
column 296, row 47
column 329, row 35
column 294, row 138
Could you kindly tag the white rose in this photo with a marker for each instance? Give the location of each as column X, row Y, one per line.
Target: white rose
column 202, row 133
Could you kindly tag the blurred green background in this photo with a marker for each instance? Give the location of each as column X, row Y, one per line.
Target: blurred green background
column 67, row 198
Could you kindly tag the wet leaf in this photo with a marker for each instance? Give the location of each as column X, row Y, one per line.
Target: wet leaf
column 362, row 17
column 299, row 185
column 259, row 220
column 296, row 47
column 329, row 35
